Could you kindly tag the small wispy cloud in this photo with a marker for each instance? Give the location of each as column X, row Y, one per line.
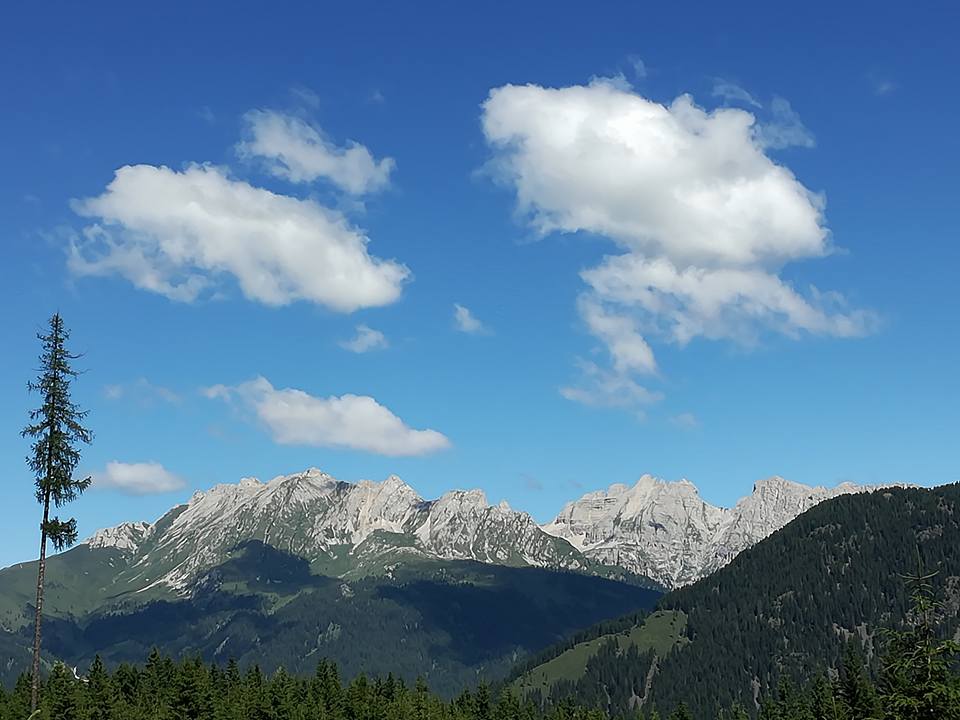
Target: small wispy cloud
column 207, row 115
column 142, row 478
column 638, row 66
column 881, row 85
column 731, row 92
column 305, row 96
column 599, row 387
column 685, row 421
column 784, row 129
column 629, row 350
column 465, row 321
column 291, row 148
column 141, row 391
column 531, row 483
column 366, row 339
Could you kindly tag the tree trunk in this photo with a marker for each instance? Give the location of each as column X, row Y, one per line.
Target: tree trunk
column 35, row 674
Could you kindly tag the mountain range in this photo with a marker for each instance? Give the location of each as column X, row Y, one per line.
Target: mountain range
column 659, row 530
column 377, row 578
column 343, row 529
column 667, row 532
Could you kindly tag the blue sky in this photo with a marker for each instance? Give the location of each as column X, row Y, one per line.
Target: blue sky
column 756, row 279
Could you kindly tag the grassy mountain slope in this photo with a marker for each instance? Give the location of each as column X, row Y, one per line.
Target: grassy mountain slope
column 660, row 631
column 78, row 582
column 452, row 622
column 787, row 606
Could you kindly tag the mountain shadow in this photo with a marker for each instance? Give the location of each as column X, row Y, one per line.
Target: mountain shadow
column 453, row 623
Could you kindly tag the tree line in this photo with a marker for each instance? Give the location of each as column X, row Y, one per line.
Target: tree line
column 190, row 689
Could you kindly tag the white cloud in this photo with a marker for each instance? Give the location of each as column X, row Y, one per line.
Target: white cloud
column 640, row 70
column 663, row 180
column 304, row 96
column 356, row 422
column 731, row 92
column 784, row 129
column 618, row 80
column 466, row 321
column 141, row 391
column 608, row 388
column 366, row 339
column 630, row 352
column 703, row 218
column 178, row 233
column 146, row 478
column 295, row 150
column 217, row 392
column 717, row 303
column 685, row 421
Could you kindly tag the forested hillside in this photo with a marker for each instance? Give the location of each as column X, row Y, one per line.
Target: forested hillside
column 784, row 609
column 451, row 622
column 918, row 680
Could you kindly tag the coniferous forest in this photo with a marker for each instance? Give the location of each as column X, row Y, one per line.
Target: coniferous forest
column 916, row 678
column 829, row 587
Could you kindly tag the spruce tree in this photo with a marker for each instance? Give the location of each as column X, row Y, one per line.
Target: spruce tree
column 56, row 428
column 857, row 693
column 823, row 700
column 100, row 693
column 919, row 679
column 61, row 696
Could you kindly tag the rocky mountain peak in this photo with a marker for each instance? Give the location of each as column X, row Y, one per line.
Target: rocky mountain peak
column 463, row 499
column 663, row 530
column 775, row 483
column 666, row 531
column 316, row 516
column 126, row 536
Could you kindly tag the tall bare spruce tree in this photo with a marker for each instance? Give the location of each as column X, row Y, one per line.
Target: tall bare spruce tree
column 56, row 428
